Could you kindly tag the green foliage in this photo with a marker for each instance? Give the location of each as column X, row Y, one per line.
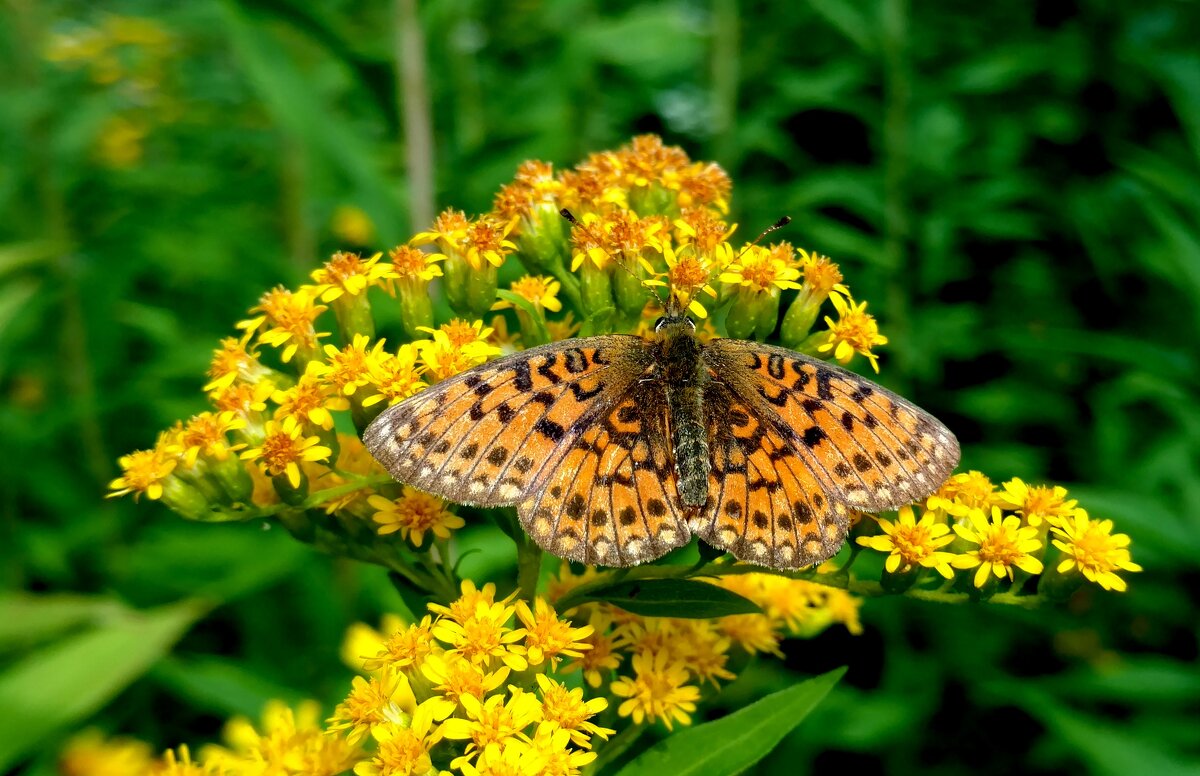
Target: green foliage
column 1016, row 190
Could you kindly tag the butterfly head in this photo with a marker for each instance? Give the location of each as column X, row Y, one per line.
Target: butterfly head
column 672, row 324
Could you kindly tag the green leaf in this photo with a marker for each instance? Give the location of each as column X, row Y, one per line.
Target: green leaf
column 734, row 743
column 221, row 685
column 27, row 619
column 62, row 684
column 536, row 317
column 673, row 598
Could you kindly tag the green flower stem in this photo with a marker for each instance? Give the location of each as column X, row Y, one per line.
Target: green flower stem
column 570, row 285
column 529, row 568
column 313, row 500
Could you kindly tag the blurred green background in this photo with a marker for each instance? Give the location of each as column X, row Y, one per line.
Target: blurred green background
column 1014, row 187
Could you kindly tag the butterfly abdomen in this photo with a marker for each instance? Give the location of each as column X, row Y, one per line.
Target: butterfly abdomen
column 684, row 375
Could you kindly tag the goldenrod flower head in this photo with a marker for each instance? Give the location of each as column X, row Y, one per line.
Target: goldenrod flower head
column 547, row 638
column 372, row 702
column 821, row 276
column 704, row 650
column 598, row 662
column 843, row 608
column 456, row 346
column 403, row 648
column 463, row 608
column 752, row 632
column 509, row 757
column 206, row 434
column 413, row 514
column 394, row 377
column 910, row 542
column 403, row 750
column 284, row 447
column 181, row 764
column 1092, row 547
column 568, row 710
column 539, row 290
column 409, row 263
column 449, row 231
column 349, row 274
column 311, row 399
column 562, row 329
column 484, row 637
column 688, row 274
column 143, row 471
column 1004, row 544
column 658, row 690
column 453, row 676
column 963, row 493
column 552, row 746
column 362, row 641
column 349, row 368
column 351, row 224
column 487, row 242
column 234, row 361
column 246, row 400
column 290, row 741
column 761, row 270
column 288, row 317
column 90, row 754
column 491, row 721
column 534, row 186
column 855, row 331
column 1038, row 502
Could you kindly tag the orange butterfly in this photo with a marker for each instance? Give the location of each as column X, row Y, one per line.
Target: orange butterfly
column 617, row 448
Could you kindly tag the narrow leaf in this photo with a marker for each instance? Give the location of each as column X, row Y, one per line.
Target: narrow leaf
column 64, row 683
column 673, row 598
column 734, row 743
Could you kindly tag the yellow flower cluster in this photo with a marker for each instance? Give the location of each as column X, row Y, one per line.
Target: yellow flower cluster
column 481, row 686
column 1002, row 534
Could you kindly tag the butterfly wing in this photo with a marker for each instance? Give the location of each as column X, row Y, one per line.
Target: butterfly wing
column 816, row 441
column 612, row 498
column 567, row 431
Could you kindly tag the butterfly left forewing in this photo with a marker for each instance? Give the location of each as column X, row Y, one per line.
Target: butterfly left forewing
column 488, row 436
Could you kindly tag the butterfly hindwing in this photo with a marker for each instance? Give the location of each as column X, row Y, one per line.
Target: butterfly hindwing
column 488, row 436
column 868, row 448
column 612, row 498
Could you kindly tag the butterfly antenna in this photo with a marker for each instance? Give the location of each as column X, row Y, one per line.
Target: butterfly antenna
column 782, row 222
column 571, row 219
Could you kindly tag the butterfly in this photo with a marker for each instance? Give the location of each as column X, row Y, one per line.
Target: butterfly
column 617, row 448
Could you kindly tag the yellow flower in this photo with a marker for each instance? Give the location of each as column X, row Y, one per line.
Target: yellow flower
column 91, row 754
column 855, row 331
column 540, row 290
column 395, row 377
column 1093, row 548
column 1037, row 503
column 403, row 750
column 688, row 274
column 484, row 638
column 1004, row 544
column 703, row 650
column 453, row 677
column 414, row 264
column 762, row 269
column 349, row 369
column 449, row 231
column 311, row 399
column 284, row 447
column 487, row 241
column 568, row 710
column 843, row 608
column 234, row 361
column 362, row 640
column 551, row 744
column 509, row 757
column 206, row 434
column 909, row 543
column 182, row 765
column 246, row 400
column 349, row 274
column 753, row 632
column 492, row 721
column 463, row 608
column 372, row 702
column 412, row 514
column 456, row 347
column 289, row 318
column 547, row 638
column 821, row 277
column 290, row 741
column 658, row 690
column 143, row 471
column 964, row 492
column 404, row 648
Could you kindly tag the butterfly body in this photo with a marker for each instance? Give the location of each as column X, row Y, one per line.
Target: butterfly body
column 618, row 448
